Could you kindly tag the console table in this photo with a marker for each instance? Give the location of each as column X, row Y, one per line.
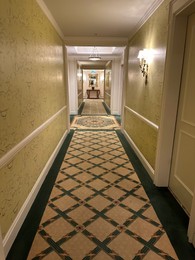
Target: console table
column 93, row 93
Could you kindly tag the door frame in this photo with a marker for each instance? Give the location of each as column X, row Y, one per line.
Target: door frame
column 179, row 12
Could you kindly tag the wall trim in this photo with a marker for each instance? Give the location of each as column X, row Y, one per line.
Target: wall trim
column 100, row 41
column 16, row 225
column 143, row 160
column 179, row 11
column 148, row 122
column 106, row 93
column 50, row 17
column 147, row 15
column 73, row 112
column 5, row 159
column 116, row 112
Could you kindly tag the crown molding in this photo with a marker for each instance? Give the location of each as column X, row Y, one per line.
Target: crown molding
column 50, row 17
column 96, row 41
column 147, row 15
column 86, row 57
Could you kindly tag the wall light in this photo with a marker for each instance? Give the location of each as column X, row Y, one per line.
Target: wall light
column 79, row 74
column 145, row 57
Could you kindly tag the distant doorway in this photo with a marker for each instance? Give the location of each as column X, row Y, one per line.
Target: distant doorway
column 93, row 84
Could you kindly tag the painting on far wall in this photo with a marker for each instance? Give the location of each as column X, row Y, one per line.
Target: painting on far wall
column 93, row 79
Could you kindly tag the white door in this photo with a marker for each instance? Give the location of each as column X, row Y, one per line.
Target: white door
column 182, row 177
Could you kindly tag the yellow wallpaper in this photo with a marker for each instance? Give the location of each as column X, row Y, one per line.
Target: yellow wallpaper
column 144, row 136
column 80, row 85
column 19, row 176
column 32, row 90
column 107, row 99
column 107, row 92
column 32, row 79
column 143, row 98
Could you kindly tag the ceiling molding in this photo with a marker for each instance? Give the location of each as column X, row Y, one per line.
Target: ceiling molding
column 50, row 17
column 94, row 66
column 96, row 41
column 85, row 57
column 147, row 15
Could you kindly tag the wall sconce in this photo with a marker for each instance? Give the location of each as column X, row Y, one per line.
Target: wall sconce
column 145, row 57
column 79, row 74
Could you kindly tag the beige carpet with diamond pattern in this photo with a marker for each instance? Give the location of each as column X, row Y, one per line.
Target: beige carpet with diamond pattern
column 98, row 208
column 93, row 107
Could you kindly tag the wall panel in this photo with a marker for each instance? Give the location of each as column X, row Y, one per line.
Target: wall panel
column 32, row 90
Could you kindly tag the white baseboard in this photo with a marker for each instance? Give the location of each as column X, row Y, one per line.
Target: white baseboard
column 143, row 160
column 116, row 113
column 16, row 225
column 73, row 112
column 5, row 159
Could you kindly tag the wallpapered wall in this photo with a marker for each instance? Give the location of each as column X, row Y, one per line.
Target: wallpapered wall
column 31, row 91
column 80, row 85
column 108, row 77
column 145, row 99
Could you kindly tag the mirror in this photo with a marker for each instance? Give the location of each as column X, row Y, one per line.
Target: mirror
column 93, row 80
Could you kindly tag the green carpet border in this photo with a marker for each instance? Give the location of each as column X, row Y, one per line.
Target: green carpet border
column 172, row 216
column 71, row 117
column 81, row 108
column 25, row 237
column 104, row 104
column 106, row 108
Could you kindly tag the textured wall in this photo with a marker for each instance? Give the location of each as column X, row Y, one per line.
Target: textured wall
column 145, row 99
column 108, row 78
column 31, row 91
column 79, row 85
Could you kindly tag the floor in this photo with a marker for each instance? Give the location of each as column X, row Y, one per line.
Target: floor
column 99, row 203
column 93, row 107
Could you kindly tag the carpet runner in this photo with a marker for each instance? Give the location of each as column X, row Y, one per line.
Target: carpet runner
column 95, row 122
column 98, row 208
column 93, row 107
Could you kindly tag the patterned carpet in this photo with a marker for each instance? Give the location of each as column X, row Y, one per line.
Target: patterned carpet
column 95, row 122
column 93, row 107
column 98, row 208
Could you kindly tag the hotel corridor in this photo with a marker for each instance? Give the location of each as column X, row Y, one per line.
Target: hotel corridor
column 98, row 208
column 97, row 136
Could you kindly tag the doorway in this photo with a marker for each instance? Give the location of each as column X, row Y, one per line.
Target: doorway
column 182, row 177
column 93, row 83
column 180, row 11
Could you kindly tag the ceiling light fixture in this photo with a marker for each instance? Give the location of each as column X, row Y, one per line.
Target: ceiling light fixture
column 94, row 56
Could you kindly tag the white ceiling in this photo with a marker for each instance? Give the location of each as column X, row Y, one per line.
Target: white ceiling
column 107, row 24
column 102, row 50
column 98, row 18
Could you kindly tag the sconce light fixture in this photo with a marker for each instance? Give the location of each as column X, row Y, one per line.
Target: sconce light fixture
column 145, row 56
column 94, row 56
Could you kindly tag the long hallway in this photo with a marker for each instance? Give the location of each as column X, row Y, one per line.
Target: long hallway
column 136, row 56
column 94, row 205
